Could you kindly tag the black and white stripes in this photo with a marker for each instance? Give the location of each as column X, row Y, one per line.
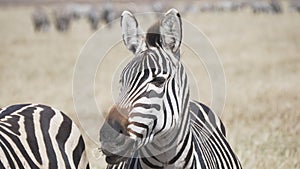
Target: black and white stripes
column 154, row 123
column 38, row 136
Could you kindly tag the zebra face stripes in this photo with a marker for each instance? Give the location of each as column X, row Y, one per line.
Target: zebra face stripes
column 154, row 124
column 38, row 136
column 153, row 89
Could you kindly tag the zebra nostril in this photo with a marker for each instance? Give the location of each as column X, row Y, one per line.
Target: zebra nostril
column 111, row 130
column 118, row 127
column 117, row 121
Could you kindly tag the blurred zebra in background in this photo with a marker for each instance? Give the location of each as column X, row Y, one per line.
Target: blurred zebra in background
column 40, row 20
column 273, row 6
column 38, row 136
column 94, row 17
column 154, row 123
column 294, row 6
column 108, row 13
column 62, row 18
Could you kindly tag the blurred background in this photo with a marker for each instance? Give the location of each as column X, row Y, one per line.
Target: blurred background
column 257, row 41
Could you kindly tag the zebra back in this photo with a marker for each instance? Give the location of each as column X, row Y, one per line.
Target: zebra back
column 39, row 136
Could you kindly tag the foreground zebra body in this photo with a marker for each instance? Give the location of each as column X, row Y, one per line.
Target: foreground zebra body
column 38, row 136
column 154, row 124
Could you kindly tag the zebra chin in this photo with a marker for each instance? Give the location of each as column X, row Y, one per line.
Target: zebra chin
column 113, row 158
column 118, row 150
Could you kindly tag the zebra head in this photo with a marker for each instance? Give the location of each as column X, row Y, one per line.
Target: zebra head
column 154, row 94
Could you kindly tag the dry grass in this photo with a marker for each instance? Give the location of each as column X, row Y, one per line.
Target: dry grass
column 260, row 55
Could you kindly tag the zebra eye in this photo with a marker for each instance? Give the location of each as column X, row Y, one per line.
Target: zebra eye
column 158, row 81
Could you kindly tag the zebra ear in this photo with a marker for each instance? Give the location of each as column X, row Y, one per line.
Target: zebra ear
column 131, row 34
column 171, row 30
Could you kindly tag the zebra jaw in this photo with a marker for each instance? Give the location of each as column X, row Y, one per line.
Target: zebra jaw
column 118, row 152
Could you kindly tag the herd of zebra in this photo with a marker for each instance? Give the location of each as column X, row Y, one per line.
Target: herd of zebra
column 256, row 6
column 63, row 16
column 153, row 124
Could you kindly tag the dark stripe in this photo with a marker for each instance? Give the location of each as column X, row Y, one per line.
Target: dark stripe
column 46, row 115
column 78, row 151
column 223, row 129
column 170, row 104
column 150, row 153
column 30, row 131
column 188, row 157
column 2, row 165
column 12, row 124
column 8, row 157
column 210, row 115
column 215, row 144
column 141, row 125
column 219, row 145
column 175, row 95
column 150, row 164
column 164, row 64
column 143, row 78
column 12, row 109
column 236, row 161
column 181, row 150
column 200, row 155
column 147, row 162
column 135, row 79
column 135, row 133
column 132, row 162
column 62, row 136
column 212, row 143
column 16, row 139
column 11, row 150
column 165, row 121
column 152, row 65
column 182, row 73
column 131, row 70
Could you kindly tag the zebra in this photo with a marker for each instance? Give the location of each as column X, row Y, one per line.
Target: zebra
column 294, row 5
column 94, row 17
column 273, row 6
column 62, row 18
column 40, row 20
column 39, row 136
column 154, row 123
column 108, row 13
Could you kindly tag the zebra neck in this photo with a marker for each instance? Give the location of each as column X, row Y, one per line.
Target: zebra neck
column 174, row 156
column 171, row 149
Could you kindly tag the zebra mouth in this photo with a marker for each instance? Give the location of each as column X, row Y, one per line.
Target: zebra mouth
column 117, row 155
column 114, row 159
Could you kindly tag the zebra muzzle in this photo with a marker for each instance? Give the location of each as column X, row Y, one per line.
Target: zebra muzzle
column 115, row 141
column 116, row 122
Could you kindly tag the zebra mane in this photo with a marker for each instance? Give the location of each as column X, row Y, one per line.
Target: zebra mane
column 153, row 37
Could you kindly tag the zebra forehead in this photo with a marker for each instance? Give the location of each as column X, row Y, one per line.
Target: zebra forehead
column 147, row 60
column 153, row 35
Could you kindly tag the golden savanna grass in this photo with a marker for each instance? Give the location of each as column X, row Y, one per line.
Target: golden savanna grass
column 261, row 61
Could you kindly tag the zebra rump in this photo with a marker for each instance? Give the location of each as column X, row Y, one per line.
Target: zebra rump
column 39, row 136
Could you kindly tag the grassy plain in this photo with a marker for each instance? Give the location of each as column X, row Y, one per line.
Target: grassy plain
column 261, row 61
